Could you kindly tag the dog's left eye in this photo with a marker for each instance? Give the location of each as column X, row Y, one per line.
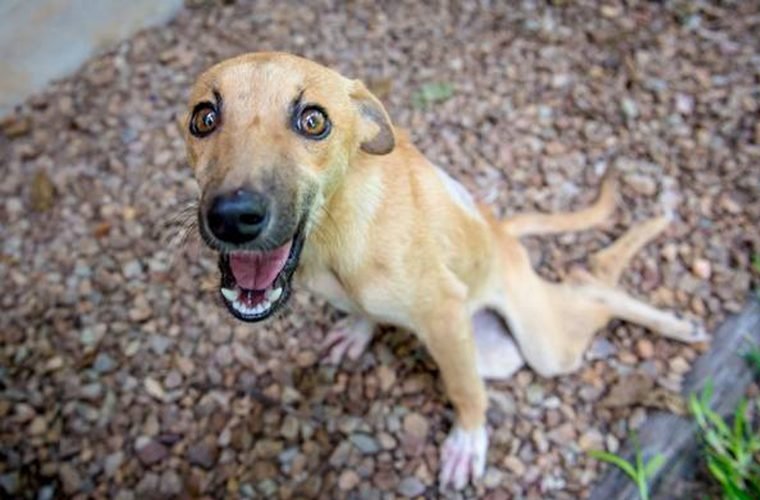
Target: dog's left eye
column 313, row 123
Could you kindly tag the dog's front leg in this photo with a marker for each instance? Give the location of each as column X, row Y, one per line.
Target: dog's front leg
column 447, row 333
column 349, row 337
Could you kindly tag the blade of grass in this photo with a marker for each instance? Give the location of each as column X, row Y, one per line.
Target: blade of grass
column 615, row 460
column 654, row 465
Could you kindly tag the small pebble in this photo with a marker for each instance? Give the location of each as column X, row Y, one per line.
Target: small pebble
column 153, row 387
column 701, row 269
column 149, row 451
column 203, row 453
column 104, row 363
column 71, row 481
column 679, row 365
column 365, row 443
column 348, row 480
column 410, row 487
column 534, row 394
column 514, row 464
column 644, row 348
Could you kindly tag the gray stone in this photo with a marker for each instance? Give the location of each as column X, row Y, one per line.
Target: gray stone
column 171, row 484
column 103, row 363
column 113, row 462
column 365, row 443
column 629, row 107
column 9, row 482
column 91, row 391
column 290, row 427
column 46, row 492
column 71, row 481
column 534, row 394
column 125, row 495
column 173, row 379
column 148, row 485
column 159, row 344
column 267, row 487
column 149, row 451
column 340, row 454
column 601, row 348
column 411, row 487
column 132, row 269
column 204, row 453
column 247, row 490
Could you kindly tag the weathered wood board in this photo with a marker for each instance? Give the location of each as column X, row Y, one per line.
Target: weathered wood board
column 675, row 437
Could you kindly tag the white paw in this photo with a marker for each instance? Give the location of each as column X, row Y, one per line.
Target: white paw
column 349, row 337
column 463, row 457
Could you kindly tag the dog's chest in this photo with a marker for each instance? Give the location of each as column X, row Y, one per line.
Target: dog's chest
column 325, row 283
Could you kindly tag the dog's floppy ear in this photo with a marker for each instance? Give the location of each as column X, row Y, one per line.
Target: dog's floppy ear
column 375, row 129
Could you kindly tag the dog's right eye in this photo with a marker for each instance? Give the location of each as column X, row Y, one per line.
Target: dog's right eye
column 204, row 120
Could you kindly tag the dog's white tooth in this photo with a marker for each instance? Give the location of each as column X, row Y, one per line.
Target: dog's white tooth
column 230, row 294
column 274, row 294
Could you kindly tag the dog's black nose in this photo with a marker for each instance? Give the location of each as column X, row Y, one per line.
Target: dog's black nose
column 238, row 217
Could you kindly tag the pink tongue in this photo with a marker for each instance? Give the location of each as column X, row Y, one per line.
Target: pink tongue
column 258, row 270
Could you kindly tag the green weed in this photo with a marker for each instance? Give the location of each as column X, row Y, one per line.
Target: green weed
column 432, row 93
column 732, row 452
column 639, row 470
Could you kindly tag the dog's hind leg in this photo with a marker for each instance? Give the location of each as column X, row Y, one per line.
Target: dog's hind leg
column 608, row 264
column 538, row 224
column 554, row 340
column 622, row 305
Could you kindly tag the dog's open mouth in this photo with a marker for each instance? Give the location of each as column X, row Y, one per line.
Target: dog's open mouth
column 255, row 284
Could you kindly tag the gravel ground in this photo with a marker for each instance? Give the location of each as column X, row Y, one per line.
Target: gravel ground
column 123, row 376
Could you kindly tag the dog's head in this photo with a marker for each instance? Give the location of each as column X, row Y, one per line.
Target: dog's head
column 269, row 137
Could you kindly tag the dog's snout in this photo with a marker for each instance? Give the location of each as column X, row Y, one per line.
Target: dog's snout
column 238, row 217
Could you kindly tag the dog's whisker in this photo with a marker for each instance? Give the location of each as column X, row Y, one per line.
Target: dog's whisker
column 177, row 229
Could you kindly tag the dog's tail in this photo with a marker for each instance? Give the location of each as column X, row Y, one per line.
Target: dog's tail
column 539, row 224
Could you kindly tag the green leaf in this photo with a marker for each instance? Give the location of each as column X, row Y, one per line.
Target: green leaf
column 707, row 392
column 739, row 420
column 752, row 356
column 432, row 93
column 653, row 465
column 695, row 406
column 718, row 422
column 615, row 460
column 717, row 472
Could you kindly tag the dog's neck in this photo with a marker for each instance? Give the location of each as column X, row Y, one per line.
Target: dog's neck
column 348, row 212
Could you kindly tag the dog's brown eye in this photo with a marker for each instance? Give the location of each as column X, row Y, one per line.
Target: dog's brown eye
column 204, row 121
column 313, row 123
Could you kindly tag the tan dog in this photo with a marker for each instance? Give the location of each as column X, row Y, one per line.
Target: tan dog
column 303, row 173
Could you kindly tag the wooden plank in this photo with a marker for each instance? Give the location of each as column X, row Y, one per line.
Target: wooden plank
column 675, row 437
